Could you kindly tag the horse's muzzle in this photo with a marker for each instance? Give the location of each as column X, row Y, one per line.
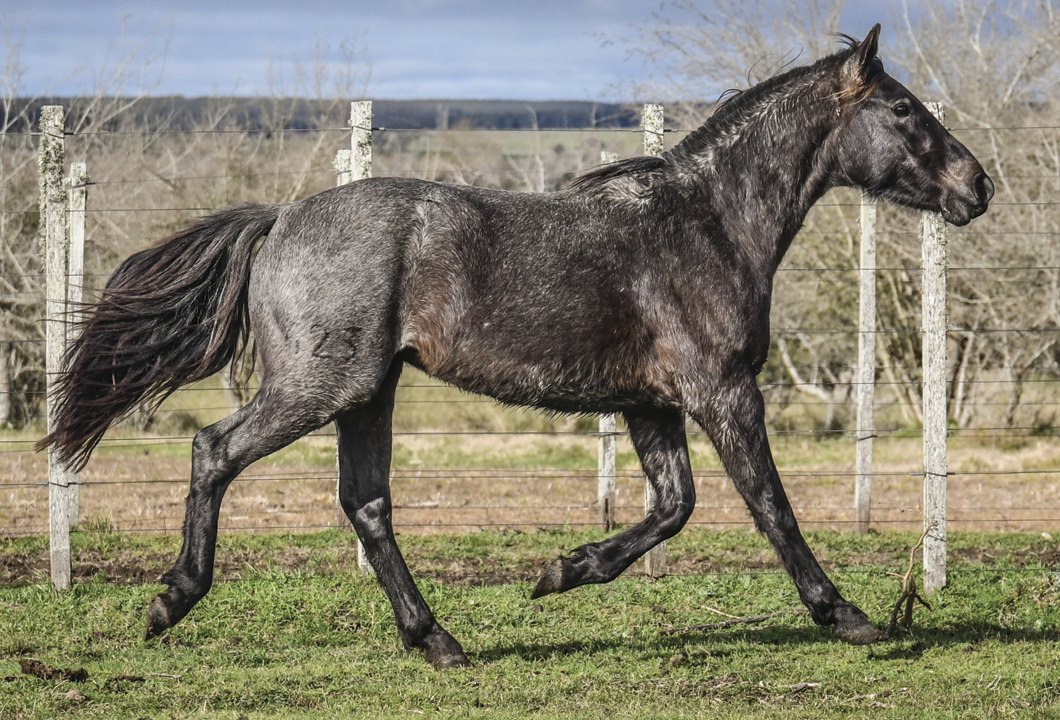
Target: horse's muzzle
column 960, row 207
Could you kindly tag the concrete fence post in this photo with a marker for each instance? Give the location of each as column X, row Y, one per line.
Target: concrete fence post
column 75, row 283
column 866, row 371
column 359, row 167
column 933, row 235
column 343, row 161
column 361, row 143
column 342, row 170
column 652, row 125
column 606, row 491
column 51, row 162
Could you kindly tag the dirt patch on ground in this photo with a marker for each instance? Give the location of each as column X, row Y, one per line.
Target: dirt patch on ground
column 1024, row 556
column 46, row 672
column 136, row 566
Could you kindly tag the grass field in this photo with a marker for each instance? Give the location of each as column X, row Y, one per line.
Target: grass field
column 293, row 630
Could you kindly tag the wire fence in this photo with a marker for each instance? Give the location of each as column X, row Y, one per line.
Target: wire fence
column 463, row 463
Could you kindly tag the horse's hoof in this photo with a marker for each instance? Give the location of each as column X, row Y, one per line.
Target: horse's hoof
column 853, row 626
column 443, row 651
column 551, row 580
column 452, row 660
column 157, row 619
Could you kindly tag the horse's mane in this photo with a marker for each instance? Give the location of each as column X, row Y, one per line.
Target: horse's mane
column 631, row 167
column 734, row 111
column 738, row 109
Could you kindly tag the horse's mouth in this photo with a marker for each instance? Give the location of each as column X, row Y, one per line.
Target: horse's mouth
column 960, row 213
column 964, row 202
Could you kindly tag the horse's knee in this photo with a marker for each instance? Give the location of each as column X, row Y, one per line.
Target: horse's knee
column 371, row 520
column 684, row 509
column 201, row 445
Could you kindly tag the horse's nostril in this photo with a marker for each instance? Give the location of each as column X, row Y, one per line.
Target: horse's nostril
column 984, row 187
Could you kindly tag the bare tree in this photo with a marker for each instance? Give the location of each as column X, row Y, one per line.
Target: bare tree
column 699, row 50
column 21, row 296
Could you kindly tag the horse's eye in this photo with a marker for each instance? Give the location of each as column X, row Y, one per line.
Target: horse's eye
column 901, row 109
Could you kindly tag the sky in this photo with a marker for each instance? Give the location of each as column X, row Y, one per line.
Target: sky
column 473, row 49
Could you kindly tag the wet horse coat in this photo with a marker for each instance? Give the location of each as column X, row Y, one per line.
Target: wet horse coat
column 644, row 289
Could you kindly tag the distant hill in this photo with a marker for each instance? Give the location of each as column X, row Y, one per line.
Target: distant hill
column 503, row 114
column 180, row 113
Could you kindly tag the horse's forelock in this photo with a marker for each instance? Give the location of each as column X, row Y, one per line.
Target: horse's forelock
column 853, row 93
column 850, row 41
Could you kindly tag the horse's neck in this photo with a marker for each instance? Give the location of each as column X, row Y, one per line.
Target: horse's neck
column 761, row 188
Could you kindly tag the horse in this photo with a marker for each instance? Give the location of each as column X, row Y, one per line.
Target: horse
column 642, row 288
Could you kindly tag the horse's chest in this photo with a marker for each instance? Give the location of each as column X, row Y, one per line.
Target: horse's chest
column 720, row 320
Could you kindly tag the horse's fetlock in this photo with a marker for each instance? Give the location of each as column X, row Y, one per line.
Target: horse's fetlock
column 185, row 588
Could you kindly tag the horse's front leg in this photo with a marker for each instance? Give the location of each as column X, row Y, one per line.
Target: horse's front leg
column 659, row 439
column 734, row 418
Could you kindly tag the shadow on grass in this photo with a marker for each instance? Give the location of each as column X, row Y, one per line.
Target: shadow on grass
column 901, row 647
column 658, row 647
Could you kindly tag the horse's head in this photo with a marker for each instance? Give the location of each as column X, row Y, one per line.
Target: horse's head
column 893, row 147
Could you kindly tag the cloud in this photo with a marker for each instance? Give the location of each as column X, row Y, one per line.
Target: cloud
column 417, row 48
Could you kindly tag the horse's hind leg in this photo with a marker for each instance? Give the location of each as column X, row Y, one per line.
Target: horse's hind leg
column 364, row 435
column 272, row 420
column 659, row 439
column 734, row 418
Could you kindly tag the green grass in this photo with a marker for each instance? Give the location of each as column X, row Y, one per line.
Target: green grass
column 315, row 639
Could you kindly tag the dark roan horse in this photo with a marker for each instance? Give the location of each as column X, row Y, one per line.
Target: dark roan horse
column 644, row 289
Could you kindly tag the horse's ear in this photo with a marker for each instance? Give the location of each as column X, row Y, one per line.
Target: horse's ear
column 867, row 52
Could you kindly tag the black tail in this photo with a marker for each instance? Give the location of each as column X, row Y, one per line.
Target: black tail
column 170, row 315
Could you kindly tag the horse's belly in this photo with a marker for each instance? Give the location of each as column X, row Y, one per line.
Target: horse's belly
column 525, row 374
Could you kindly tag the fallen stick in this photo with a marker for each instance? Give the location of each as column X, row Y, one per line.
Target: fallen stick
column 909, row 593
column 735, row 621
